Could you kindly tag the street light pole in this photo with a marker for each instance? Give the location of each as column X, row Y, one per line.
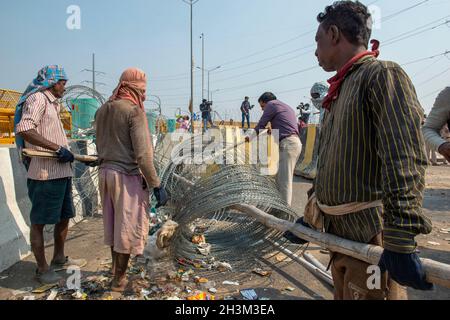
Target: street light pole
column 93, row 71
column 203, row 65
column 191, row 3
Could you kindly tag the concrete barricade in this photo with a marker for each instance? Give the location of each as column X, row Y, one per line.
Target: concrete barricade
column 15, row 205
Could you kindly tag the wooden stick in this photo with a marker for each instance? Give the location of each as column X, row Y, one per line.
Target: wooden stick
column 51, row 154
column 437, row 272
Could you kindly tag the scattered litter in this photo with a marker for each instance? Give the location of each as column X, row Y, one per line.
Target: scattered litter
column 185, row 277
column 145, row 292
column 212, row 290
column 29, row 298
column 204, row 248
column 249, row 294
column 79, row 295
column 264, row 298
column 44, row 288
column 222, row 266
column 207, row 285
column 324, row 251
column 445, row 231
column 198, row 279
column 228, row 298
column 262, row 273
column 52, row 295
column 143, row 274
column 152, row 252
column 3, row 277
column 289, row 289
column 165, row 234
column 187, row 290
column 433, row 243
column 282, row 257
column 141, row 260
column 198, row 239
column 202, row 296
column 447, row 239
column 173, row 298
column 230, row 283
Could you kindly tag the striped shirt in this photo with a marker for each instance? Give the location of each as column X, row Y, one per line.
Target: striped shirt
column 371, row 148
column 41, row 112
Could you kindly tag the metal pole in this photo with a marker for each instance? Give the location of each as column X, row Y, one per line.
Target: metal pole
column 93, row 71
column 209, row 71
column 203, row 66
column 192, row 73
column 191, row 3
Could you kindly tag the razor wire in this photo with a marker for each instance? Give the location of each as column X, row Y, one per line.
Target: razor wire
column 203, row 196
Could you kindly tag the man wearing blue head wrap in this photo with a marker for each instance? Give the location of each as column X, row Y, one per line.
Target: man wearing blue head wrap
column 38, row 127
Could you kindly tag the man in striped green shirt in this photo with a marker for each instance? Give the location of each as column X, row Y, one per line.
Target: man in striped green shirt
column 371, row 151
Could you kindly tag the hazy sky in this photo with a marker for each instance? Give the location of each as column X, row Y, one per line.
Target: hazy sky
column 253, row 41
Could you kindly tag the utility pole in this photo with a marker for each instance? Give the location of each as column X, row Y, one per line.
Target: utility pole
column 203, row 65
column 94, row 73
column 191, row 3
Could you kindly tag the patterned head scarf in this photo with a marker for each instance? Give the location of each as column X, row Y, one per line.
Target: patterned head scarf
column 46, row 78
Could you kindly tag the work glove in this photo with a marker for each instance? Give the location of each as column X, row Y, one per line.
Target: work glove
column 405, row 268
column 64, row 155
column 93, row 164
column 161, row 196
column 293, row 238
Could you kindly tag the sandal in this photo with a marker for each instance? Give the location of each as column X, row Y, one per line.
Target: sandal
column 58, row 266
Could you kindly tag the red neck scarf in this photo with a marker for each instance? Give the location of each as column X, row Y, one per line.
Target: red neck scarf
column 338, row 79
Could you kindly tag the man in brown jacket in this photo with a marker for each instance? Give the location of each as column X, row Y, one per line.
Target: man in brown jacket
column 127, row 173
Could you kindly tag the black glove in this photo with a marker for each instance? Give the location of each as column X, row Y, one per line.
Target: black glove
column 405, row 269
column 65, row 155
column 161, row 196
column 293, row 238
column 93, row 164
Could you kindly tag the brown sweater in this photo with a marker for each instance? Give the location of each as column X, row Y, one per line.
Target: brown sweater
column 123, row 140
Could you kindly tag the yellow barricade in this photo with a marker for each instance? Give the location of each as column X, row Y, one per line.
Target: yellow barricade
column 309, row 150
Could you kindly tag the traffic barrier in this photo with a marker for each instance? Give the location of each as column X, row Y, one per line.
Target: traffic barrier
column 307, row 164
column 15, row 205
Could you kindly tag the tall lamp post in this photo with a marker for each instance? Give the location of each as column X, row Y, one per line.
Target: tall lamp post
column 191, row 4
column 202, row 36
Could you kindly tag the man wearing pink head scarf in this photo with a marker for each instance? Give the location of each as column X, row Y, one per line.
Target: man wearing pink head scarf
column 127, row 173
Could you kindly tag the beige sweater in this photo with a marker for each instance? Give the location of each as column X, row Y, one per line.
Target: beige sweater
column 437, row 119
column 123, row 140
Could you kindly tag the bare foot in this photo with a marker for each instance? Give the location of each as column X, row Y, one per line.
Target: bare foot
column 119, row 286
